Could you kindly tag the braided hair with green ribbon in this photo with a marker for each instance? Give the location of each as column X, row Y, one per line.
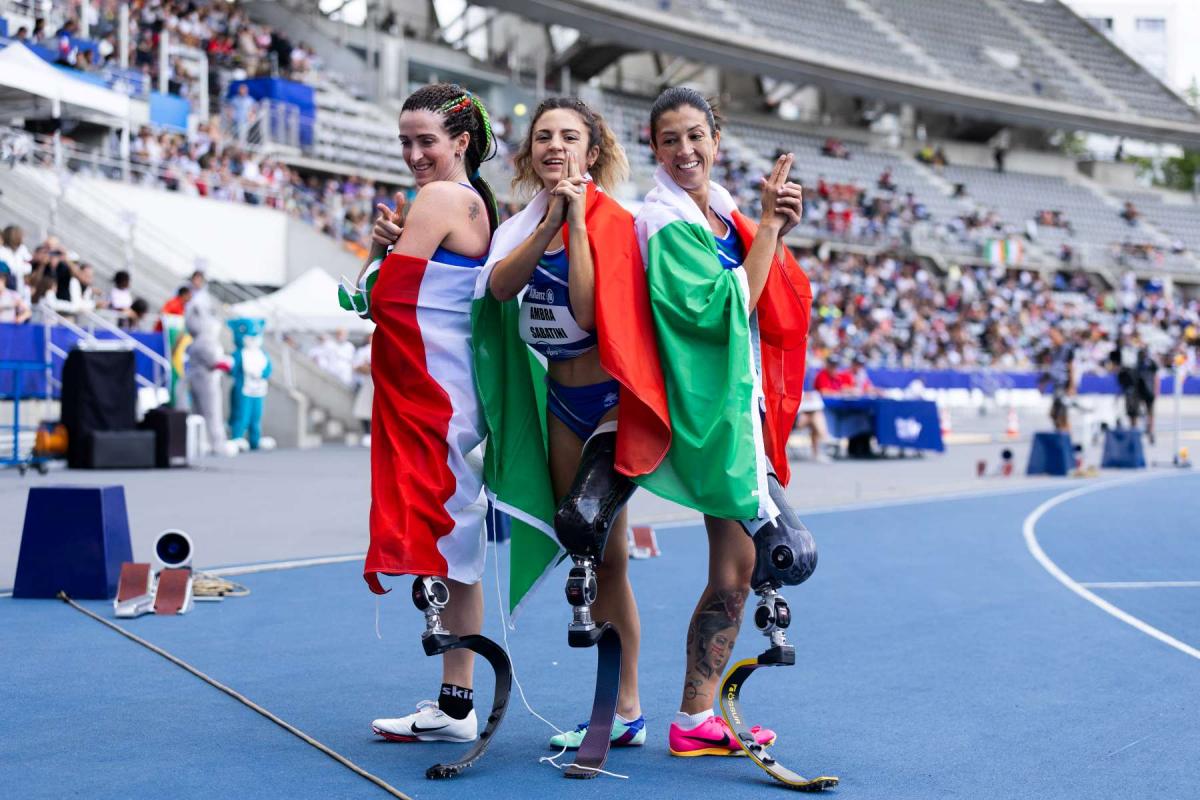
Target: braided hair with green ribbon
column 462, row 111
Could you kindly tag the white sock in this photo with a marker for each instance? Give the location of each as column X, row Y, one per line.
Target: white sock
column 689, row 722
column 622, row 720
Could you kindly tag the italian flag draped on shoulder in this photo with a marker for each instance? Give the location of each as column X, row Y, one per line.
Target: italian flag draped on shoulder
column 510, row 380
column 706, row 334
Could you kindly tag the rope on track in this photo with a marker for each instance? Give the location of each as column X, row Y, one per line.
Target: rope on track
column 345, row 762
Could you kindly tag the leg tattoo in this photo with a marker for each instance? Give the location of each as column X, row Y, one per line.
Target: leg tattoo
column 710, row 641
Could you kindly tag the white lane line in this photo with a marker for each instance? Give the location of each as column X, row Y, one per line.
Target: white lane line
column 1141, row 584
column 275, row 566
column 5, row 594
column 1031, row 542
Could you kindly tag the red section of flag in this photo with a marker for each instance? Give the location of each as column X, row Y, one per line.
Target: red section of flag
column 411, row 479
column 783, row 315
column 625, row 329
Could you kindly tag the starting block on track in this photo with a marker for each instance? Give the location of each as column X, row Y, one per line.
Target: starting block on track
column 142, row 592
column 642, row 542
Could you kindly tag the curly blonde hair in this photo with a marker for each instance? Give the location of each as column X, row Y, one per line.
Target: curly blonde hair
column 612, row 166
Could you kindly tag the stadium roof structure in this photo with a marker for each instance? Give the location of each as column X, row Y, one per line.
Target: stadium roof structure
column 1063, row 73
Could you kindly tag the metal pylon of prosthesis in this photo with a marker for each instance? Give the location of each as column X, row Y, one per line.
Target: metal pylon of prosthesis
column 431, row 595
column 772, row 617
column 582, row 590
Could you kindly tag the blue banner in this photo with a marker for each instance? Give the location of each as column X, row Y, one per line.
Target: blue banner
column 989, row 381
column 911, row 424
column 27, row 343
column 300, row 95
column 169, row 111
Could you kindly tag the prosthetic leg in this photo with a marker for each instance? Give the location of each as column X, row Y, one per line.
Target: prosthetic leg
column 785, row 555
column 582, row 523
column 431, row 595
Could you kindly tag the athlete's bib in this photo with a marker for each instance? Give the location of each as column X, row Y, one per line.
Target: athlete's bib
column 547, row 322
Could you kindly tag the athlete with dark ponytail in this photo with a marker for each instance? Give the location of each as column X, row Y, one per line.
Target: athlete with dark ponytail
column 427, row 503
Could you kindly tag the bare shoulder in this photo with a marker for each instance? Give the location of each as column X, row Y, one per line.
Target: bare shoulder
column 442, row 193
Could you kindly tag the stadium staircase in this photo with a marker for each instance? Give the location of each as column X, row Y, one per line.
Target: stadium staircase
column 308, row 405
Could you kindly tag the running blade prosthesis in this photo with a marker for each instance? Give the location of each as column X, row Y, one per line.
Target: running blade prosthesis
column 582, row 632
column 771, row 617
column 431, row 595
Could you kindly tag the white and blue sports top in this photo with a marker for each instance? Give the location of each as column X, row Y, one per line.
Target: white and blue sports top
column 729, row 247
column 547, row 323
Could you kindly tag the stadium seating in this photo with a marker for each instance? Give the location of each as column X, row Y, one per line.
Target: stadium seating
column 1117, row 71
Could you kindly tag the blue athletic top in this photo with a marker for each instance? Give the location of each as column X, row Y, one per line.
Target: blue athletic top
column 444, row 256
column 729, row 247
column 547, row 323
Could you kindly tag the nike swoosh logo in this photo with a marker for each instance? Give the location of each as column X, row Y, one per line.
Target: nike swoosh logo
column 722, row 742
column 416, row 729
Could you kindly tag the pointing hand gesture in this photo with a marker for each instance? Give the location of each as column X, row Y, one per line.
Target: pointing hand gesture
column 389, row 224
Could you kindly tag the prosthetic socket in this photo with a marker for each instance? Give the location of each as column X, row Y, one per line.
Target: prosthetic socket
column 583, row 521
column 785, row 554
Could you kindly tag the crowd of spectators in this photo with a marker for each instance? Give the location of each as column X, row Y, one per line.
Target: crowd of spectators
column 52, row 278
column 219, row 30
column 897, row 313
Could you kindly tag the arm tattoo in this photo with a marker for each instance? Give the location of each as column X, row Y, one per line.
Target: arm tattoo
column 474, row 212
column 710, row 639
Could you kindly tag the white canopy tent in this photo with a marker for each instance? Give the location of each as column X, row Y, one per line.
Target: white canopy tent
column 307, row 304
column 26, row 81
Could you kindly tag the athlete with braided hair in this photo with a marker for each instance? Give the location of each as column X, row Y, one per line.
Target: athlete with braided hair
column 427, row 504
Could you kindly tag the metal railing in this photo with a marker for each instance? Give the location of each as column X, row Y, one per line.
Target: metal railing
column 51, row 318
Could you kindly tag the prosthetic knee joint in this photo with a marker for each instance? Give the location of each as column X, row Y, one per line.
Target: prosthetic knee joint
column 785, row 554
column 582, row 524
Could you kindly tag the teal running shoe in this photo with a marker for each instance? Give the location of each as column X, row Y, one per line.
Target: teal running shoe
column 624, row 734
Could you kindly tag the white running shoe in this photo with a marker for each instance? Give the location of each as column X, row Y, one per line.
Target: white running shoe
column 428, row 724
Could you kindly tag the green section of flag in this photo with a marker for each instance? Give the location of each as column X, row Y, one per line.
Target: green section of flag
column 512, row 391
column 703, row 329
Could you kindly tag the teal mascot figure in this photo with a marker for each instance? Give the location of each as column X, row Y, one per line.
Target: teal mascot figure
column 251, row 368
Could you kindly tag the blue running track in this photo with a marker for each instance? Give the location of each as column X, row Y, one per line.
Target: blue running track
column 938, row 658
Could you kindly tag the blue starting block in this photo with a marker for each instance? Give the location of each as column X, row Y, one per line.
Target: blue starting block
column 1051, row 454
column 75, row 540
column 1123, row 449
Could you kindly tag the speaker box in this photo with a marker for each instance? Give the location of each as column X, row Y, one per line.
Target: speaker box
column 169, row 426
column 99, row 393
column 119, row 450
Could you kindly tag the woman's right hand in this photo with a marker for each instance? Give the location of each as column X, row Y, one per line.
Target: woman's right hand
column 389, row 224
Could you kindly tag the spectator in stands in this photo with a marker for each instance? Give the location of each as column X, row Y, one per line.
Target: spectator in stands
column 940, row 161
column 886, row 182
column 1130, row 214
column 120, row 298
column 22, row 34
column 15, row 257
column 13, row 308
column 135, row 317
column 835, row 148
column 1000, row 144
column 177, row 304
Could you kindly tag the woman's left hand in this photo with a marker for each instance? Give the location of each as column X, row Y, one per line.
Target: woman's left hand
column 789, row 207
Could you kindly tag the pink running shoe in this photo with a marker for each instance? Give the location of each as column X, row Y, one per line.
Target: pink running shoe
column 713, row 737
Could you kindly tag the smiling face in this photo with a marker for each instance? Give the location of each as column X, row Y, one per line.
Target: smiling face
column 555, row 133
column 428, row 150
column 686, row 147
